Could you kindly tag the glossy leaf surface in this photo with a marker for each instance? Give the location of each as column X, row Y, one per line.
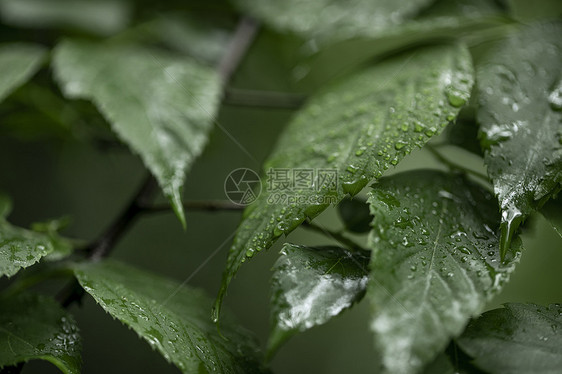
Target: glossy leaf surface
column 516, row 339
column 35, row 327
column 162, row 106
column 310, row 286
column 435, row 263
column 520, row 112
column 348, row 135
column 172, row 318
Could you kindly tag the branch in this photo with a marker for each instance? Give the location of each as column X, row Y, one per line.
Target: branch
column 243, row 37
column 103, row 246
column 209, row 206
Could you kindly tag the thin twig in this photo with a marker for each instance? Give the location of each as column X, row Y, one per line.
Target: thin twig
column 106, row 242
column 103, row 246
column 350, row 244
column 454, row 166
column 241, row 41
column 204, row 205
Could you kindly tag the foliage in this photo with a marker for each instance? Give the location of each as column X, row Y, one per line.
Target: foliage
column 428, row 248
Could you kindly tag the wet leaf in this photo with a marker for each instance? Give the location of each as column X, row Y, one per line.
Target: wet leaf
column 355, row 215
column 35, row 327
column 516, row 339
column 18, row 63
column 310, row 286
column 62, row 247
column 190, row 34
column 160, row 105
column 442, row 20
column 328, row 18
column 172, row 318
column 348, row 135
column 520, row 113
column 19, row 248
column 435, row 263
column 103, row 17
column 553, row 213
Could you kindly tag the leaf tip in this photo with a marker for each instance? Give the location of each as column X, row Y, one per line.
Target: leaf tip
column 177, row 206
column 276, row 338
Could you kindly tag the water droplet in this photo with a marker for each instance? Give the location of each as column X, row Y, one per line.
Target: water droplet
column 400, row 144
column 352, row 169
column 360, row 151
column 354, row 187
column 456, row 98
column 277, row 231
column 429, row 132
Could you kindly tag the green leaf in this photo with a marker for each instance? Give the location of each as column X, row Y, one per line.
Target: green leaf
column 435, row 263
column 35, row 327
column 531, row 11
column 5, row 205
column 520, row 112
column 19, row 248
column 442, row 20
column 102, row 17
column 310, row 286
column 173, row 318
column 190, row 34
column 516, row 339
column 355, row 215
column 553, row 213
column 356, row 129
column 18, row 63
column 328, row 18
column 161, row 106
column 62, row 247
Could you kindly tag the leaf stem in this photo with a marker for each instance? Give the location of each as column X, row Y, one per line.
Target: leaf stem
column 343, row 240
column 454, row 166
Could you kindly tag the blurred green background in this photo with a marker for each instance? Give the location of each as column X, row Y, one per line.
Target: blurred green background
column 51, row 171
